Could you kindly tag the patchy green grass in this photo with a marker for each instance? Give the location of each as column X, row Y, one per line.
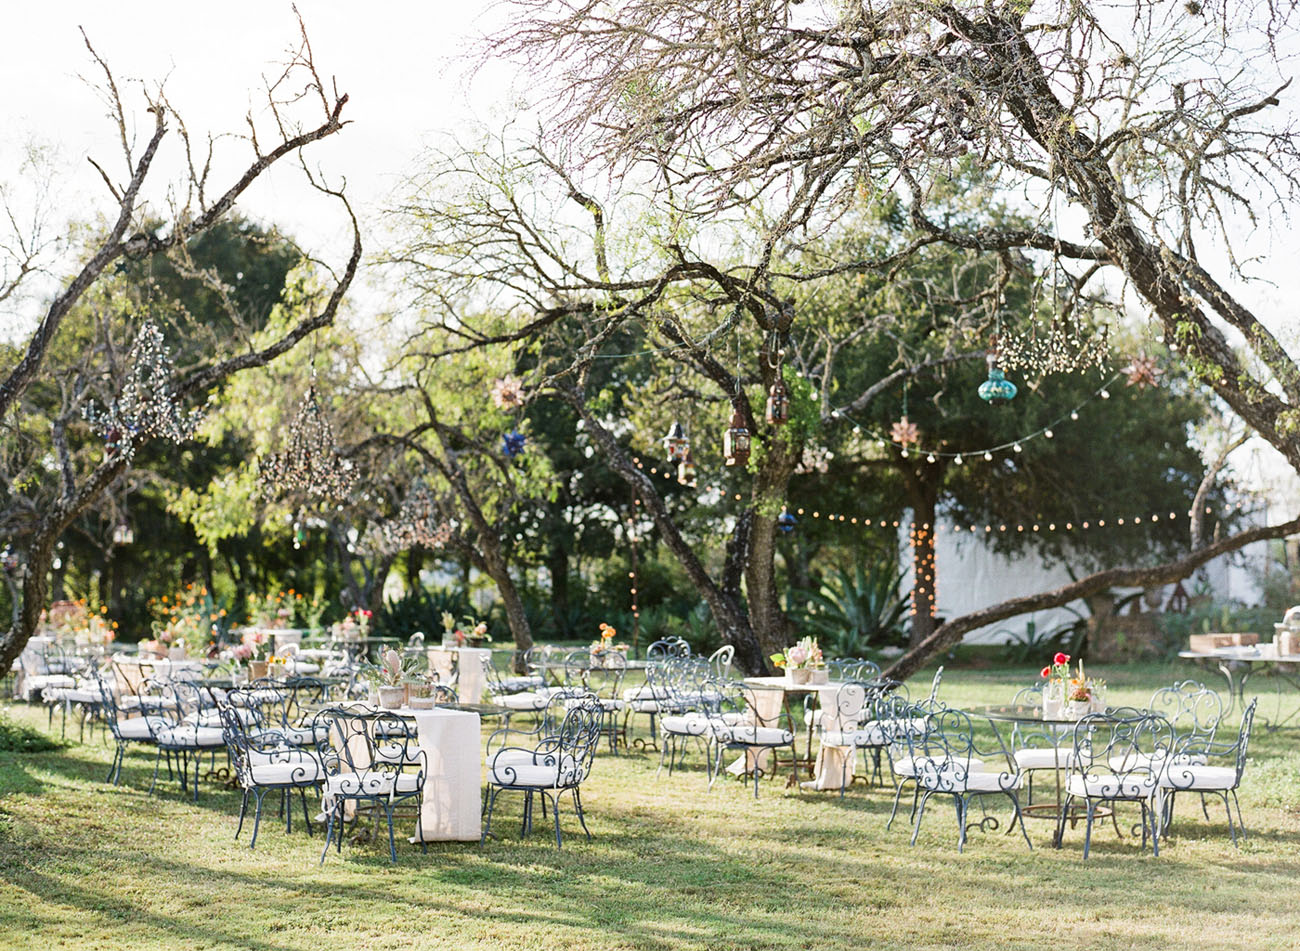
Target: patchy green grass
column 672, row 866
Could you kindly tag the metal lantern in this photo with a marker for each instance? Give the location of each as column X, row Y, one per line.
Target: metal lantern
column 735, row 441
column 785, row 521
column 997, row 390
column 686, row 469
column 778, row 404
column 676, row 442
column 123, row 534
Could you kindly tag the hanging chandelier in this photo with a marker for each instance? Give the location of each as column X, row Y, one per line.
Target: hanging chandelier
column 418, row 523
column 1064, row 346
column 146, row 406
column 312, row 465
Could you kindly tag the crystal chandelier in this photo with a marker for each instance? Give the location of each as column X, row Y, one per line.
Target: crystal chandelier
column 418, row 523
column 1064, row 346
column 146, row 406
column 312, row 464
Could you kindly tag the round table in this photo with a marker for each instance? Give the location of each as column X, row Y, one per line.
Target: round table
column 1053, row 730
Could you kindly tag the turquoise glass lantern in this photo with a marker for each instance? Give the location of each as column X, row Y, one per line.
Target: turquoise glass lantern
column 997, row 390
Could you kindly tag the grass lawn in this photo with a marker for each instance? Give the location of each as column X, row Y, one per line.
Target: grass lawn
column 672, row 866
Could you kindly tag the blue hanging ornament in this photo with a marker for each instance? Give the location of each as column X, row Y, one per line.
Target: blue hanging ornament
column 785, row 521
column 512, row 443
column 997, row 390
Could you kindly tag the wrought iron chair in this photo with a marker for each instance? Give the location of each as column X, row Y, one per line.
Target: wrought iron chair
column 903, row 725
column 1038, row 748
column 560, row 762
column 1195, row 712
column 264, row 760
column 600, row 673
column 697, row 714
column 1118, row 757
column 37, row 676
column 762, row 727
column 124, row 729
column 175, row 732
column 669, row 685
column 852, row 725
column 1182, row 772
column 720, row 662
column 666, row 648
column 945, row 757
column 371, row 758
column 503, row 683
column 852, row 668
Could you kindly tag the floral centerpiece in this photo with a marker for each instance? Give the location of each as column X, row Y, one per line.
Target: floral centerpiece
column 803, row 663
column 355, row 626
column 468, row 631
column 249, row 649
column 1069, row 694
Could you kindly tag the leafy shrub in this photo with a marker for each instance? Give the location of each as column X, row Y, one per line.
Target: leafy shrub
column 855, row 609
column 420, row 610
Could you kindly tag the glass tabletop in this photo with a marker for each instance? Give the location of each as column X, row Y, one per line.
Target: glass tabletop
column 1021, row 713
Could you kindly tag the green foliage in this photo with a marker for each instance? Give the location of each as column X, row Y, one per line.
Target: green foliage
column 21, row 738
column 855, row 609
column 420, row 609
column 1032, row 644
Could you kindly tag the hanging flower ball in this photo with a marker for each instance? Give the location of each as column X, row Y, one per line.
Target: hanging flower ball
column 1142, row 372
column 512, row 443
column 904, row 432
column 508, row 393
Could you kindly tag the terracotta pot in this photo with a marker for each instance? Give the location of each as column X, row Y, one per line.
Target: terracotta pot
column 257, row 669
column 818, row 676
column 176, row 653
column 800, row 675
column 392, row 698
column 1077, row 709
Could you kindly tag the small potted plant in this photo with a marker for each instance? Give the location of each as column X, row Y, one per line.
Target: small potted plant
column 1078, row 696
column 388, row 679
column 277, row 666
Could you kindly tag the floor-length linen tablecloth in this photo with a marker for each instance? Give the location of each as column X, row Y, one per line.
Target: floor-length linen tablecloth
column 450, row 809
column 471, row 675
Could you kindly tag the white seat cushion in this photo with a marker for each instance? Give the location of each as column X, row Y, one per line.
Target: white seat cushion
column 685, row 724
column 295, row 735
column 1107, row 786
column 518, row 684
column 1127, row 762
column 869, row 735
column 371, row 784
column 189, row 735
column 529, row 700
column 906, row 766
column 295, row 770
column 748, row 735
column 973, row 781
column 1058, row 758
column 1198, row 776
column 536, row 774
column 645, row 692
column 137, row 728
column 211, row 718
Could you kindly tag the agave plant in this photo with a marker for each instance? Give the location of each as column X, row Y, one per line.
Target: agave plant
column 855, row 609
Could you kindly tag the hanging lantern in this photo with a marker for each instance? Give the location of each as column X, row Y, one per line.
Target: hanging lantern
column 1142, row 372
column 997, row 390
column 735, row 441
column 123, row 534
column 512, row 443
column 785, row 521
column 9, row 560
column 778, row 404
column 676, row 443
column 686, row 469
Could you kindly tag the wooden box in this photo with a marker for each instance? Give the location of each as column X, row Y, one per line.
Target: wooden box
column 1204, row 643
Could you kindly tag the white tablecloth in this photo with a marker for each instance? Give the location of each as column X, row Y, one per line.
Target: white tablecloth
column 451, row 807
